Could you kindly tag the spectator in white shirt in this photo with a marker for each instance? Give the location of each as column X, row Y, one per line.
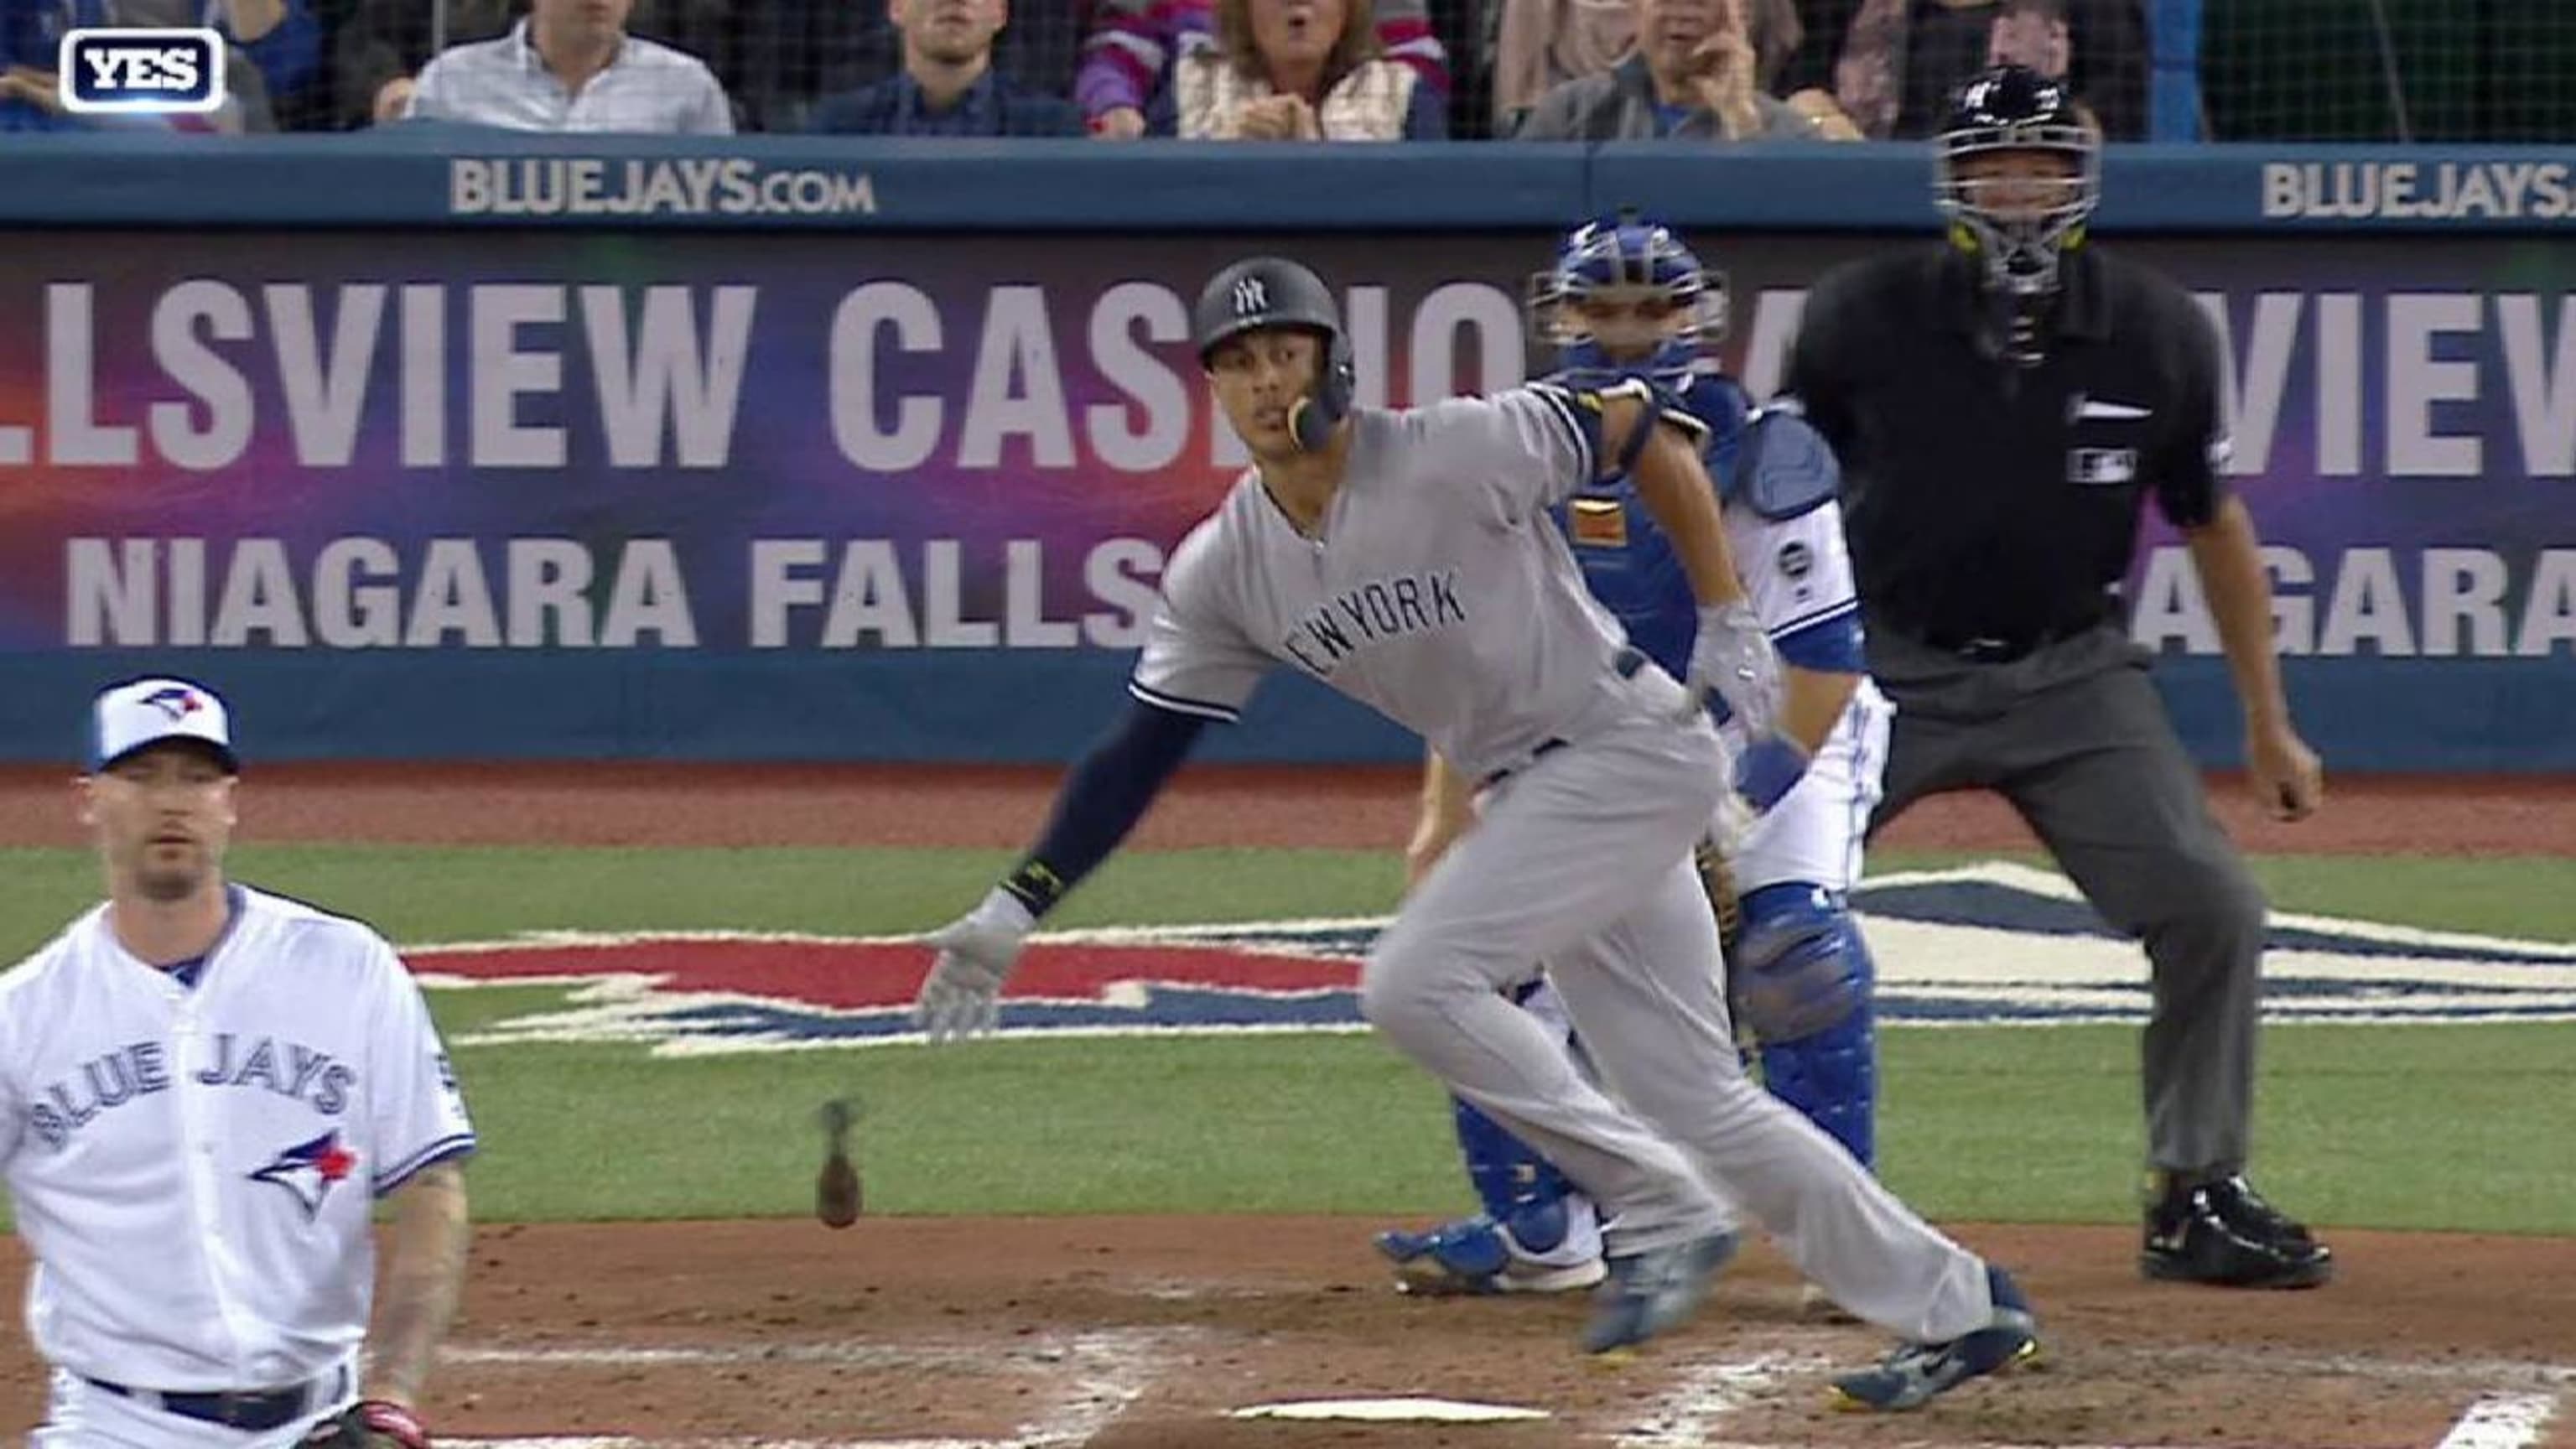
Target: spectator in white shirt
column 571, row 66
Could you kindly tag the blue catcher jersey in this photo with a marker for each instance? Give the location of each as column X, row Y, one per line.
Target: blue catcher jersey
column 1627, row 562
column 1795, row 568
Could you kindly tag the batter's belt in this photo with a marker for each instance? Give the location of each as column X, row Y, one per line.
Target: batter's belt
column 1625, row 664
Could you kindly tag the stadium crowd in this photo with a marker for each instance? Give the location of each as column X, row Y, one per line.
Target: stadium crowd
column 1114, row 70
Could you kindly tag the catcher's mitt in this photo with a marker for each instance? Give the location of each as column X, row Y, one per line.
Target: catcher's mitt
column 1718, row 879
column 369, row 1424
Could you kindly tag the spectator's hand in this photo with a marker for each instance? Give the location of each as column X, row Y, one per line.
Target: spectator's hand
column 1825, row 114
column 35, row 87
column 393, row 99
column 1126, row 123
column 1271, row 118
column 1723, row 67
column 1307, row 126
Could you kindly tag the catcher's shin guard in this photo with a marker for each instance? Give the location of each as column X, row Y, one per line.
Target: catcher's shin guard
column 1832, row 1079
column 1521, row 1191
column 1831, row 1076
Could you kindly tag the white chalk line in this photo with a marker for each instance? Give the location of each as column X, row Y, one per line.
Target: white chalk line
column 620, row 1441
column 2513, row 1375
column 2502, row 1421
column 624, row 1356
column 1110, row 1370
column 1683, row 1416
column 1098, row 1376
column 1691, row 1414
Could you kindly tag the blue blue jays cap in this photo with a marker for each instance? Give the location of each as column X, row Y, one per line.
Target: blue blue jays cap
column 146, row 712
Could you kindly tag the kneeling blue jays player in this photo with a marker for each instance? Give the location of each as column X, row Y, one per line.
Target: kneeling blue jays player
column 1626, row 298
column 203, row 1090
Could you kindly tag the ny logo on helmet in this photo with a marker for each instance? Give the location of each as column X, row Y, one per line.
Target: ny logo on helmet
column 1251, row 297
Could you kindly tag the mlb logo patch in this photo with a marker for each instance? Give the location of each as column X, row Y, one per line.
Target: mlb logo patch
column 2102, row 466
column 1597, row 522
column 142, row 72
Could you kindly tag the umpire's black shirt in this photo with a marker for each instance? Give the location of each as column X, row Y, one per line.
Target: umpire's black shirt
column 1992, row 507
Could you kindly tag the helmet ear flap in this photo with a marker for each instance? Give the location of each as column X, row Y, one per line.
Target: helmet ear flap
column 1311, row 418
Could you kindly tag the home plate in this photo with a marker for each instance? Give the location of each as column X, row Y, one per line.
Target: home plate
column 1393, row 1411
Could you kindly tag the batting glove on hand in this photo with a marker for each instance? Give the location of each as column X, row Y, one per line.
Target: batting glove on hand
column 1733, row 659
column 961, row 996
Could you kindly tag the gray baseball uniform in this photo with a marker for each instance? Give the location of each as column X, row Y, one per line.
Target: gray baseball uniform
column 1437, row 591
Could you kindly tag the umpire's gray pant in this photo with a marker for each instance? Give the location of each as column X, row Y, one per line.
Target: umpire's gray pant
column 2075, row 736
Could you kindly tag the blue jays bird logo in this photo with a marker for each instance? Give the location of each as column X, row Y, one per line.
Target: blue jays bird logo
column 308, row 1169
column 175, row 702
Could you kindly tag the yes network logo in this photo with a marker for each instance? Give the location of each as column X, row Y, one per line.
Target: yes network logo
column 142, row 72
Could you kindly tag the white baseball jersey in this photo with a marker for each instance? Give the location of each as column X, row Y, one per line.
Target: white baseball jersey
column 1437, row 590
column 192, row 1166
column 1798, row 573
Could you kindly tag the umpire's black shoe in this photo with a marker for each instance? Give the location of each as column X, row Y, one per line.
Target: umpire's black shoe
column 2222, row 1233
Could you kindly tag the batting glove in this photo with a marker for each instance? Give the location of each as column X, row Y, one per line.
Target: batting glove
column 961, row 996
column 1732, row 658
column 1769, row 769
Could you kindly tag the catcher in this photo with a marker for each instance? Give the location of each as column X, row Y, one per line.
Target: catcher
column 1626, row 298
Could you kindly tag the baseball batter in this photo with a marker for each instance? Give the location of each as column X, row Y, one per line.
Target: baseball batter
column 1406, row 558
column 203, row 1090
column 1626, row 298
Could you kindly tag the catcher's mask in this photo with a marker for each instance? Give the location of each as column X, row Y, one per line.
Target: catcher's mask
column 2018, row 171
column 1668, row 310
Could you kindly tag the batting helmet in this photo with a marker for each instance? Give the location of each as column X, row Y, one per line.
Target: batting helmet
column 1263, row 292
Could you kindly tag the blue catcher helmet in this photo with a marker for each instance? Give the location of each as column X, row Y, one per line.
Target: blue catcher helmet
column 1626, row 298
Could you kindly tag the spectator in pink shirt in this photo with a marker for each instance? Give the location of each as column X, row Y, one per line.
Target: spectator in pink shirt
column 1127, row 62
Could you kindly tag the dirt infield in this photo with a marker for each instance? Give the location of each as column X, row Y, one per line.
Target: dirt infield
column 1349, row 808
column 1145, row 1334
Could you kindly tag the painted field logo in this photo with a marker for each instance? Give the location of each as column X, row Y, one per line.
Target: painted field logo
column 1986, row 945
column 129, row 72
